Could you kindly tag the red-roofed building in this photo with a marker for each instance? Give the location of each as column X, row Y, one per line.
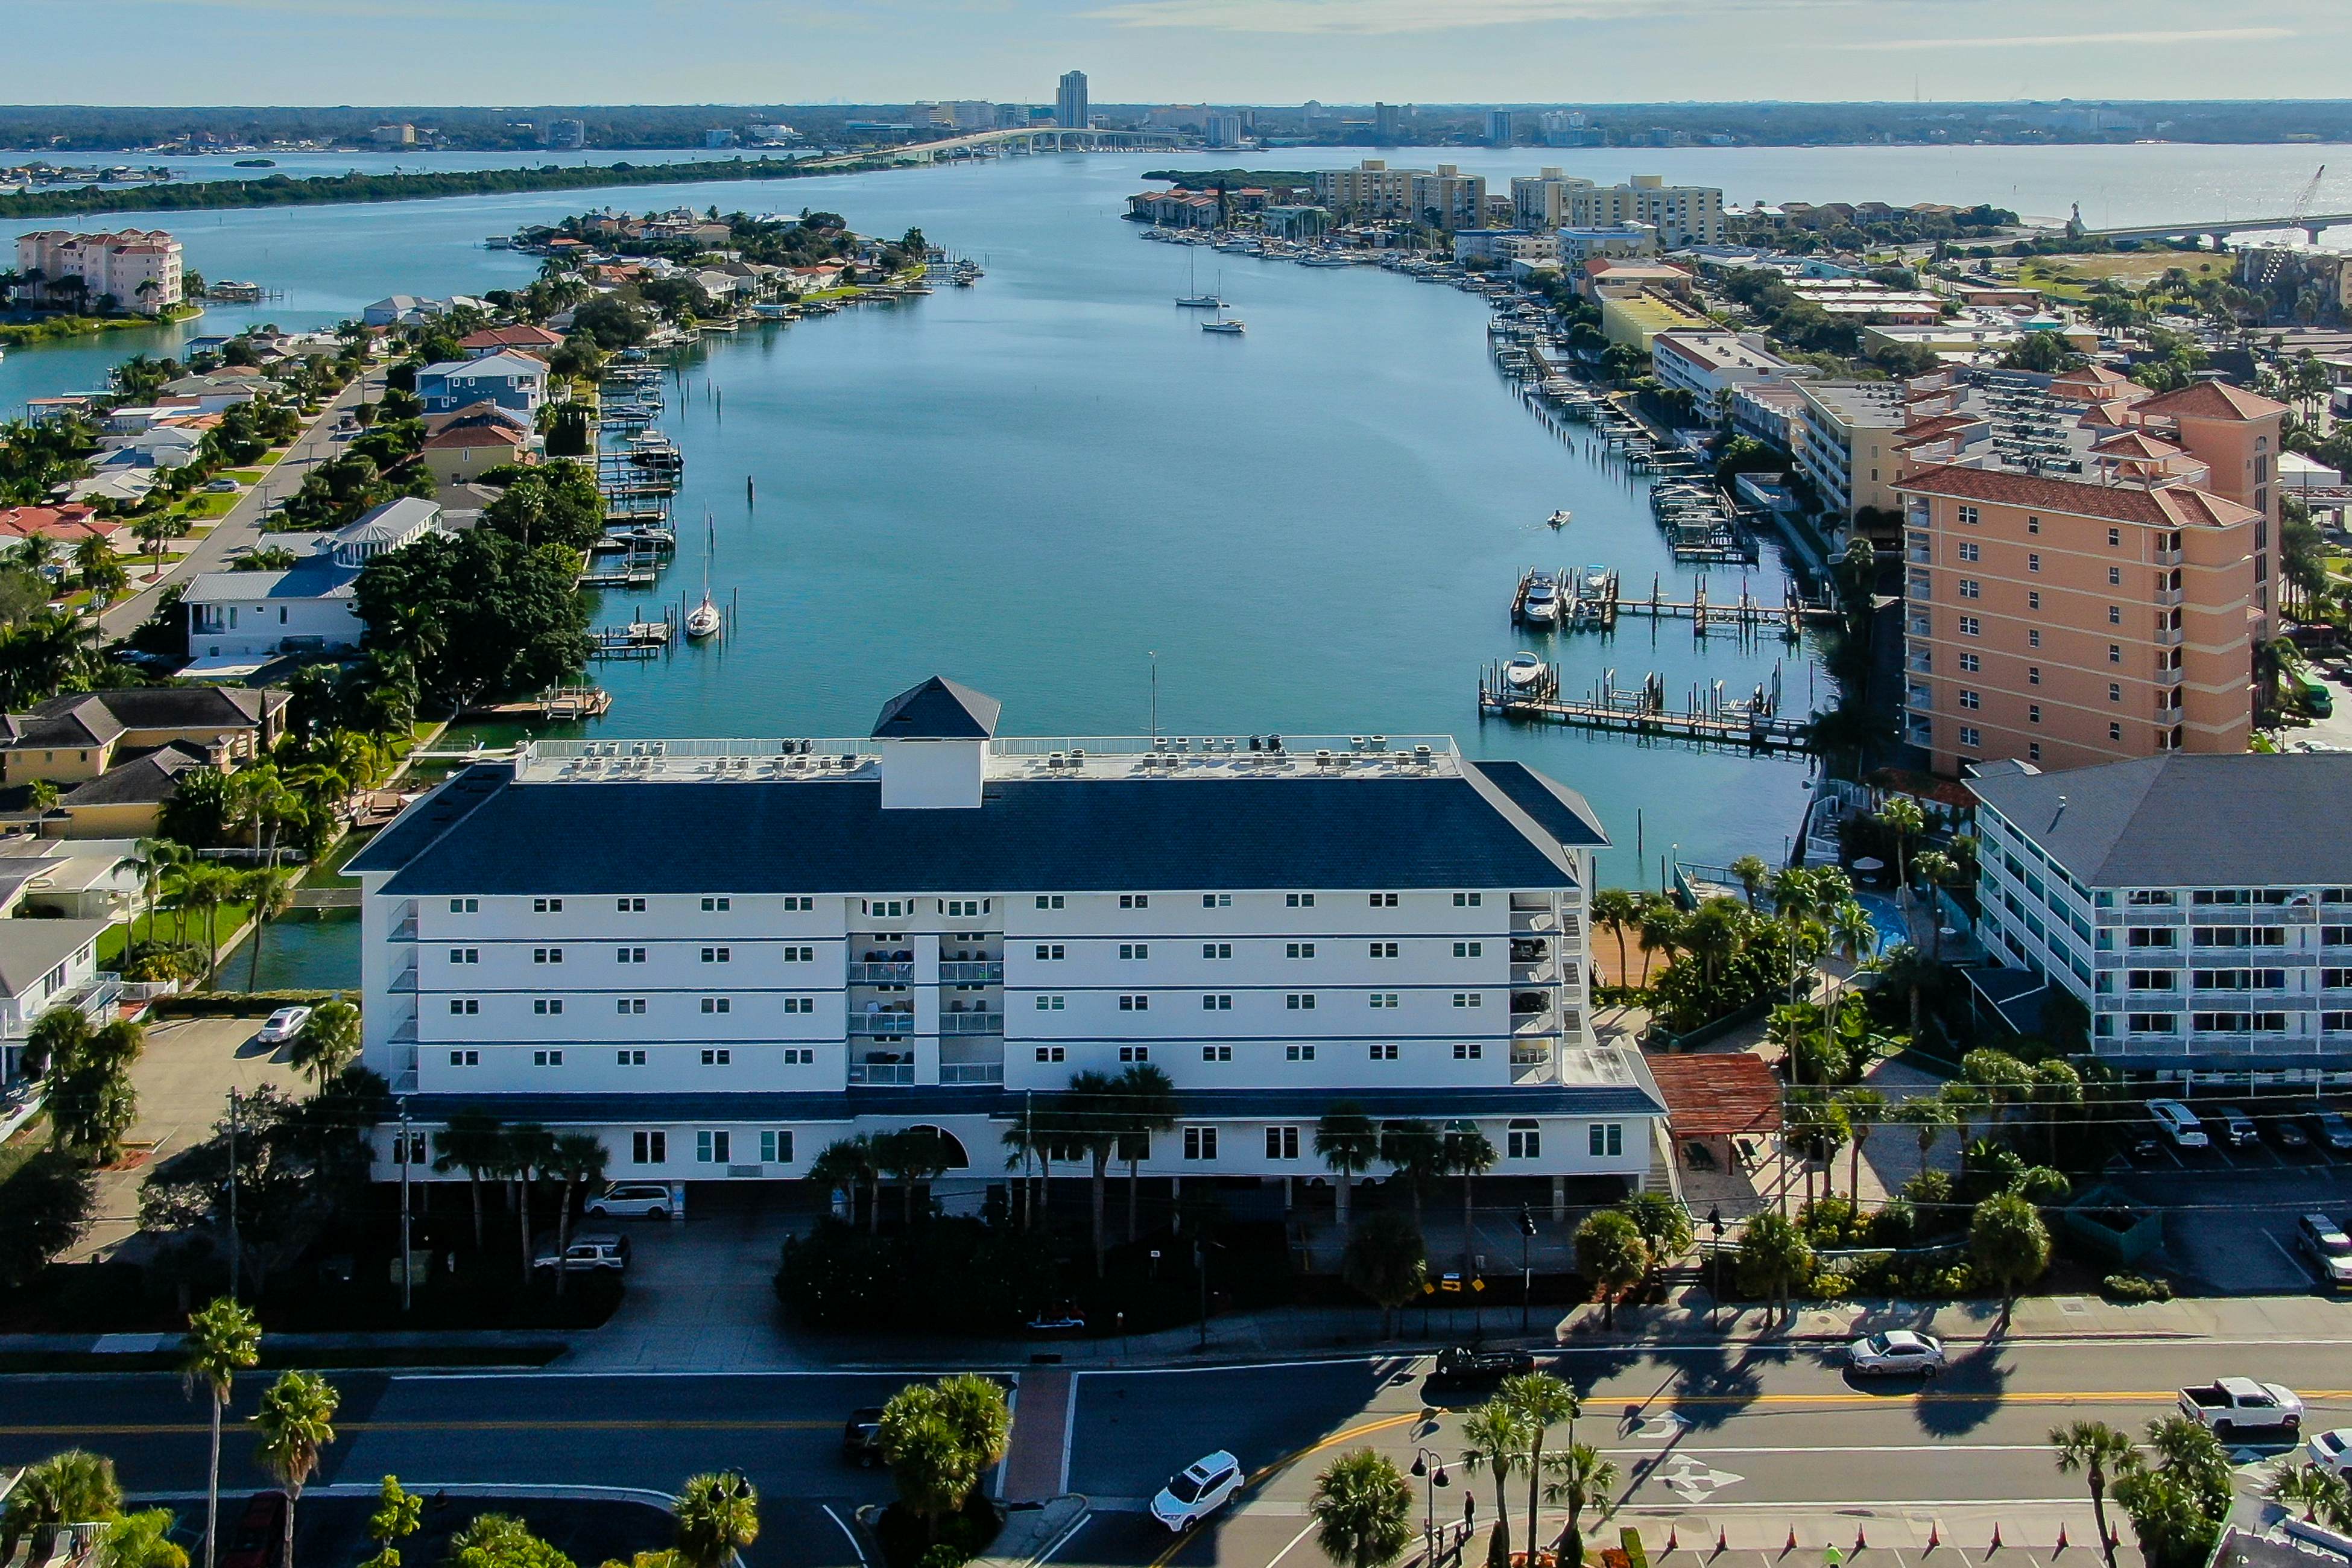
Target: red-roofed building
column 462, row 453
column 524, row 336
column 69, row 524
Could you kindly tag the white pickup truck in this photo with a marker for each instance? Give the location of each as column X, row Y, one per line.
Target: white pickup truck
column 2237, row 1405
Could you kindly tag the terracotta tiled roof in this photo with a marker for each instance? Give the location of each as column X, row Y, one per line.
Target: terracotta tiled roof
column 524, row 336
column 1716, row 1094
column 2172, row 506
column 2212, row 400
column 2094, row 375
column 474, row 435
column 2135, row 443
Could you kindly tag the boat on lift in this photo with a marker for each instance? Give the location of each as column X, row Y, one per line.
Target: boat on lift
column 704, row 619
column 1522, row 673
column 1541, row 606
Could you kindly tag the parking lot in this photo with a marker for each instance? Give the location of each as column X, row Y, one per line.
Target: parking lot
column 2231, row 1209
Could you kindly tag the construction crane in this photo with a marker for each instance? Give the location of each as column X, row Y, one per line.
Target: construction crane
column 2277, row 255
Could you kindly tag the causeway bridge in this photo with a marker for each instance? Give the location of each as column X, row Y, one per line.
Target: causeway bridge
column 2313, row 225
column 1014, row 143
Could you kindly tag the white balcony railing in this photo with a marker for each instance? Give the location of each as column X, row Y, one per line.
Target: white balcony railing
column 94, row 999
column 972, row 1072
column 900, row 973
column 971, row 1022
column 969, row 973
column 897, row 1073
column 892, row 1023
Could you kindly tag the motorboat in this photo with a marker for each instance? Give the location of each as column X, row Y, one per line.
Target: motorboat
column 1596, row 581
column 1523, row 671
column 1561, row 518
column 1541, row 605
column 1323, row 258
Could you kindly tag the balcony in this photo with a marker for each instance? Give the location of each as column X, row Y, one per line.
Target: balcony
column 1533, row 922
column 971, row 1022
column 1920, row 697
column 1920, row 662
column 972, row 1072
column 2168, row 637
column 884, row 1024
column 2167, row 676
column 898, row 973
column 2170, row 596
column 406, row 981
column 94, row 999
column 1536, row 971
column 900, row 1074
column 1918, row 589
column 967, row 973
column 2167, row 557
column 406, row 931
column 1920, row 626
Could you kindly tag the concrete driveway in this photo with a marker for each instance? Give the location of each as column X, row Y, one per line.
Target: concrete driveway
column 700, row 1291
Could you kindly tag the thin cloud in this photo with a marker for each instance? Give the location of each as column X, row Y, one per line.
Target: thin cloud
column 2160, row 37
column 1360, row 16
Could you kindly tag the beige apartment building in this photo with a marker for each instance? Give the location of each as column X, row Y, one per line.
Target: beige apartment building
column 1683, row 215
column 2080, row 585
column 139, row 269
column 1374, row 190
column 1846, row 449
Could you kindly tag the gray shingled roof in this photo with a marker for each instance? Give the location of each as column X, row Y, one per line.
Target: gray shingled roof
column 31, row 948
column 2186, row 821
column 939, row 709
column 150, row 778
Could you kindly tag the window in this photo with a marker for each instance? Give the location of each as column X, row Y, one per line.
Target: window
column 800, row 1056
column 1469, row 1051
column 1384, row 900
column 1217, row 949
column 1049, row 1053
column 547, row 906
column 1384, row 1052
column 2153, row 1023
column 2115, row 691
column 1134, row 950
column 1971, row 626
column 465, row 906
column 1298, row 1053
column 1605, row 1139
column 1216, row 1004
column 1300, row 1001
column 717, row 1057
column 1469, row 998
column 1971, row 589
column 2033, row 599
column 1135, row 1053
column 1298, row 900
column 799, row 1004
column 718, row 1005
column 1281, row 1142
column 905, row 905
column 800, row 955
column 1467, row 900
column 1523, row 1141
column 1968, row 516
column 2156, row 979
column 2114, row 576
column 2032, row 561
column 775, row 1148
column 2034, row 712
column 629, row 906
column 723, row 905
column 1970, row 698
column 1049, row 1003
column 1216, row 901
column 648, row 1148
column 797, row 902
column 1469, row 949
column 547, row 1058
column 1047, row 952
column 712, row 1149
column 466, row 1006
column 545, row 1007
column 1139, row 1003
column 1383, row 998
column 2115, row 731
column 547, row 955
column 2033, row 525
column 1300, row 950
column 1049, row 900
column 2114, row 537
column 1382, row 949
column 1200, row 1142
column 2115, row 653
column 465, row 1058
column 717, row 955
column 2033, row 636
column 629, row 1058
column 1971, row 664
column 628, row 955
column 1970, row 736
column 1135, row 900
column 465, row 955
column 630, row 1007
column 1968, row 550
column 1216, row 1053
column 2032, row 675
column 966, row 906
column 2033, row 751
column 2114, row 615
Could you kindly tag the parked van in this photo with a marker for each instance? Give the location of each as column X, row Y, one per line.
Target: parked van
column 2179, row 1124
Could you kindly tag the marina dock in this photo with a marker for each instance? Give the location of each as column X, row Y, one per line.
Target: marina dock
column 556, row 705
column 1595, row 599
column 638, row 640
column 1710, row 717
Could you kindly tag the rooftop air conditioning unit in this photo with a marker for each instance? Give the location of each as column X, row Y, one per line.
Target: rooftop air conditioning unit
column 1053, row 758
column 1322, row 759
column 1077, row 757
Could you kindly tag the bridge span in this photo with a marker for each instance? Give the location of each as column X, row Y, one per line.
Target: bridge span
column 1012, row 143
column 2313, row 225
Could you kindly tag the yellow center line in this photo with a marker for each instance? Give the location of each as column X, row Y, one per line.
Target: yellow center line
column 145, row 1428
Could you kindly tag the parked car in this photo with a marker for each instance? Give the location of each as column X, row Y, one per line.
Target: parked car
column 585, row 1253
column 2329, row 1250
column 2331, row 1450
column 861, row 1437
column 2236, row 1127
column 1465, row 1364
column 1203, row 1488
column 2179, row 1123
column 222, row 485
column 1064, row 1318
column 283, row 1025
column 647, row 1200
column 2332, row 1130
column 2289, row 1134
column 1895, row 1352
column 2237, row 1405
column 259, row 1540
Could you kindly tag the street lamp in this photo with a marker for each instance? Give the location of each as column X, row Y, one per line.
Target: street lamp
column 1527, row 1271
column 1427, row 1464
column 1715, row 1297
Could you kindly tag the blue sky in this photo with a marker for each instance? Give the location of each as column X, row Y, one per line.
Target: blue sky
column 1269, row 51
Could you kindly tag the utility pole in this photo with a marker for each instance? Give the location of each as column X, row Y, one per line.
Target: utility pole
column 1527, row 1269
column 406, row 1255
column 236, row 1253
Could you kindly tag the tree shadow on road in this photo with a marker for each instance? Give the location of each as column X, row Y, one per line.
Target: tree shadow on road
column 1967, row 1396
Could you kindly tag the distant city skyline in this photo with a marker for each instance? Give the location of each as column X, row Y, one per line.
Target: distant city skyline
column 1356, row 51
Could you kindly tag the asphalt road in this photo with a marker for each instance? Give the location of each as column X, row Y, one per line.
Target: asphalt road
column 1719, row 1431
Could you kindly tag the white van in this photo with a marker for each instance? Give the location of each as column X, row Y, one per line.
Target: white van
column 2179, row 1123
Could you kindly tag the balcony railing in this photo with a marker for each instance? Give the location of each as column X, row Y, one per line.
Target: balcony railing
column 901, row 973
column 2170, row 636
column 965, row 974
column 899, row 1073
column 972, row 1072
column 971, row 1022
column 2167, row 557
column 2171, row 597
column 406, row 981
column 406, row 931
column 94, row 999
column 881, row 1023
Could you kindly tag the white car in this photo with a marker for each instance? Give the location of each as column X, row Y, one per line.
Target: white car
column 283, row 1025
column 2331, row 1450
column 647, row 1200
column 1204, row 1486
column 2179, row 1124
column 1894, row 1353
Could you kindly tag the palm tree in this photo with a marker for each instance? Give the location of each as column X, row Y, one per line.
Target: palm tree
column 1362, row 1509
column 475, row 1144
column 1865, row 1108
column 1584, row 1480
column 1610, row 1248
column 1495, row 1436
column 1034, row 1134
column 2101, row 1453
column 223, row 1339
column 1903, row 819
column 1467, row 1153
column 2307, row 1486
column 1965, row 1099
column 1147, row 1099
column 1543, row 1401
column 1795, row 900
column 843, row 1164
column 1093, row 1103
column 296, row 1422
column 1660, row 930
column 524, row 1154
column 717, row 1516
column 910, row 1157
column 1752, row 873
column 270, row 891
column 577, row 1159
column 1414, row 1151
column 71, row 1488
column 328, row 1042
column 1854, row 939
column 1614, row 909
column 1348, row 1144
column 1936, row 869
column 1930, row 1115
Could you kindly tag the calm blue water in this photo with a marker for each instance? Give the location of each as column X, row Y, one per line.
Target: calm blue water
column 1036, row 484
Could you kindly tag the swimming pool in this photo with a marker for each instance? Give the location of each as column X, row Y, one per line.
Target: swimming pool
column 1887, row 916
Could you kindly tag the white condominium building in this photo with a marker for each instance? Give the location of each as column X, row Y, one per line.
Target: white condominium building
column 1683, row 215
column 719, row 956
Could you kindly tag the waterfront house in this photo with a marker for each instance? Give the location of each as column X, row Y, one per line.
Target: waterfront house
column 138, row 269
column 718, row 956
column 67, row 525
column 238, row 621
column 462, row 453
column 508, row 378
column 77, row 737
column 524, row 335
column 46, row 965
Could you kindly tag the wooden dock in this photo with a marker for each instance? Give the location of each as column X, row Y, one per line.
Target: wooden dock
column 639, row 639
column 557, row 704
column 1746, row 615
column 621, row 577
column 1710, row 718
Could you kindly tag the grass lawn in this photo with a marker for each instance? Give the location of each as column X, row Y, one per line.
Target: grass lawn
column 115, row 937
column 242, row 475
column 29, row 1140
column 206, row 507
column 269, row 459
column 2070, row 277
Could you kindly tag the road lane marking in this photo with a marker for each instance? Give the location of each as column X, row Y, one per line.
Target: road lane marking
column 1293, row 1541
column 147, row 1428
column 854, row 1544
column 1069, row 1431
